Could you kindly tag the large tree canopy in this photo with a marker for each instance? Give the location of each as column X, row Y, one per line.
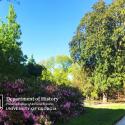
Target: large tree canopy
column 11, row 55
column 99, row 45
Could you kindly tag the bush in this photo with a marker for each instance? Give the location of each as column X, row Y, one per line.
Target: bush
column 70, row 103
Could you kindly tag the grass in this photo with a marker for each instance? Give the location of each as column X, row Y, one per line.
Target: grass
column 107, row 114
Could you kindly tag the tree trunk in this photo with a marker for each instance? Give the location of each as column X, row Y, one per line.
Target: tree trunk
column 105, row 97
column 118, row 95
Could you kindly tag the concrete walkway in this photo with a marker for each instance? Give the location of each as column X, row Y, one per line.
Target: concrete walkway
column 121, row 122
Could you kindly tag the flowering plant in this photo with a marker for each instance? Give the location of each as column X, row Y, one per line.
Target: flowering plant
column 69, row 104
column 13, row 88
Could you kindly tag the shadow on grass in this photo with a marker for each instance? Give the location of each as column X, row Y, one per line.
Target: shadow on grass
column 97, row 116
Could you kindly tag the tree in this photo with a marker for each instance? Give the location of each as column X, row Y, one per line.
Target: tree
column 57, row 69
column 49, row 63
column 11, row 55
column 99, row 46
column 47, row 76
column 33, row 68
column 61, row 72
column 79, row 80
column 63, row 61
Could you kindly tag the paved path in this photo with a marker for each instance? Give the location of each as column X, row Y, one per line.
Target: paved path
column 122, row 121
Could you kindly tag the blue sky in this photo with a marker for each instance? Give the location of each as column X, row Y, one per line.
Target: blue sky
column 47, row 25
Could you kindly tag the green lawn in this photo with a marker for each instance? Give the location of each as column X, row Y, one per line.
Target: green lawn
column 99, row 115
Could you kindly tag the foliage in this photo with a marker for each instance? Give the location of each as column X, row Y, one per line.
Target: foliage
column 11, row 55
column 57, row 69
column 61, row 76
column 99, row 45
column 79, row 80
column 69, row 104
column 33, row 68
column 47, row 75
column 11, row 89
column 63, row 61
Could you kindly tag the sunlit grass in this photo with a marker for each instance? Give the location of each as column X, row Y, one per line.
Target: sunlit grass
column 102, row 114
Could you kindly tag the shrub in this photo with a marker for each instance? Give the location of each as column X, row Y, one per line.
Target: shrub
column 13, row 88
column 69, row 104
